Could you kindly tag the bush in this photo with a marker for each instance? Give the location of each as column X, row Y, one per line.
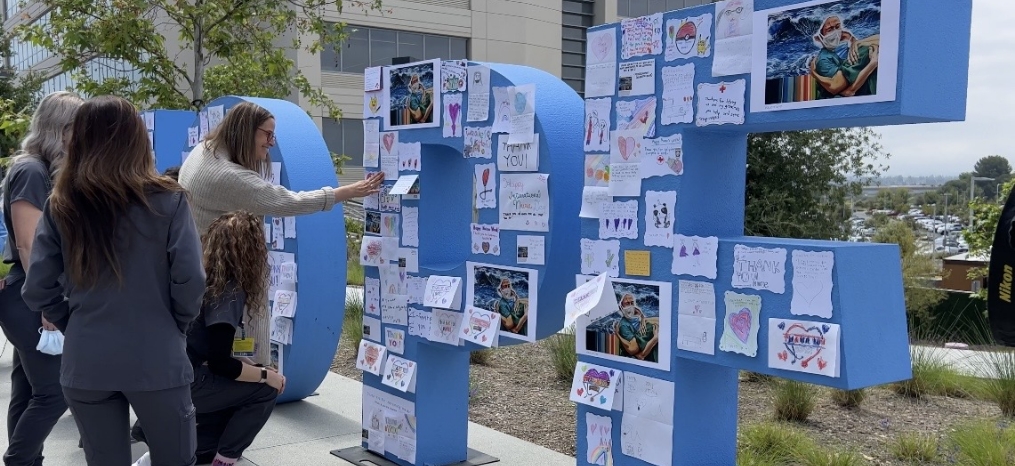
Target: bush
column 817, row 457
column 932, row 375
column 352, row 327
column 849, row 398
column 794, row 401
column 916, row 448
column 771, row 443
column 481, row 357
column 755, row 377
column 1000, row 388
column 353, row 239
column 983, row 443
column 563, row 356
column 354, row 274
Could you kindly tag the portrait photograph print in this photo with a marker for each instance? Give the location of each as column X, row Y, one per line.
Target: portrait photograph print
column 638, row 332
column 824, row 53
column 412, row 100
column 511, row 292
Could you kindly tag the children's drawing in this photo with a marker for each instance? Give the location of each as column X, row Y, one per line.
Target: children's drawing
column 372, row 328
column 689, row 37
column 626, row 147
column 594, row 385
column 810, row 347
column 597, row 124
column 394, row 340
column 443, row 292
column 373, row 104
column 372, row 296
column 524, row 200
column 419, row 322
column 619, row 220
column 394, row 309
column 660, row 218
column 284, row 303
column 600, row 256
column 480, row 326
column 638, row 332
column 502, row 110
column 389, row 202
column 453, row 116
column 371, row 143
column 444, row 326
column 625, row 179
column 510, row 292
column 392, row 278
column 759, row 268
column 597, row 170
column 409, row 158
column 389, row 224
column 485, row 239
column 662, row 156
column 522, row 157
column 398, row 373
column 478, row 142
column 637, row 115
column 370, row 357
column 695, row 255
column 453, row 76
column 641, row 36
column 599, row 439
column 370, row 251
column 812, row 283
column 410, row 95
column 486, row 186
column 740, row 326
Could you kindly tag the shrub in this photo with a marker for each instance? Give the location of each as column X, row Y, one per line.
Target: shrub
column 353, row 239
column 983, row 443
column 563, row 356
column 1000, row 387
column 352, row 327
column 932, row 375
column 916, row 448
column 817, row 457
column 794, row 401
column 481, row 357
column 755, row 377
column 354, row 274
column 849, row 398
column 771, row 443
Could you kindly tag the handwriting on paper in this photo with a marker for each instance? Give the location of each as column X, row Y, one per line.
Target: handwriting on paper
column 801, row 346
column 398, row 373
column 695, row 255
column 592, row 199
column 409, row 158
column 410, row 226
column 444, row 326
column 524, row 202
column 637, row 115
column 371, row 143
column 618, row 220
column 696, row 334
column 625, row 179
column 600, row 256
column 531, row 250
column 689, row 37
column 641, row 36
column 721, row 104
column 662, row 156
column 740, row 326
column 419, row 322
column 637, row 263
column 759, row 268
column 696, row 298
column 597, row 124
column 485, row 239
column 601, row 63
column 678, row 94
column 479, row 326
column 518, row 157
column 443, row 292
column 637, row 78
column 394, row 309
column 477, row 142
column 812, row 283
column 479, row 93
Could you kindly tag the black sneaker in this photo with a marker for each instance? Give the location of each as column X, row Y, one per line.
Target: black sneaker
column 137, row 434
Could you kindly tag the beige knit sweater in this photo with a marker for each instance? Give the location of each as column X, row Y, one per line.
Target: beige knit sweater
column 218, row 186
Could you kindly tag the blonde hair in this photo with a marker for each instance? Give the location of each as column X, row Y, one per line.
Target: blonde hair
column 235, row 136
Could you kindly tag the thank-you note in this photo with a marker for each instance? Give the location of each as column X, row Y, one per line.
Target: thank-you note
column 695, row 255
column 443, row 292
column 721, row 103
column 740, row 327
column 595, row 298
column 811, row 347
column 524, row 202
column 759, row 268
column 812, row 283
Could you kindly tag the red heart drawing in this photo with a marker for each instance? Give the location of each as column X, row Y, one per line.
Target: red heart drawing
column 484, row 338
column 627, row 147
column 389, row 140
column 580, row 391
column 486, row 176
column 822, row 364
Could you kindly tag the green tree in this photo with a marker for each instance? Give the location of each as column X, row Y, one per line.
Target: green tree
column 918, row 269
column 992, row 166
column 225, row 46
column 798, row 183
column 980, row 235
column 17, row 101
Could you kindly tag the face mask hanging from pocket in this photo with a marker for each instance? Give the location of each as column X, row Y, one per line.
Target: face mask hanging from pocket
column 50, row 342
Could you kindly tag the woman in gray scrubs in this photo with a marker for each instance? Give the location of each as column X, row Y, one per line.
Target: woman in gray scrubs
column 125, row 239
column 36, row 398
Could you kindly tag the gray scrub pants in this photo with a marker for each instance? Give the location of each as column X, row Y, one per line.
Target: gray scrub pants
column 37, row 401
column 104, row 416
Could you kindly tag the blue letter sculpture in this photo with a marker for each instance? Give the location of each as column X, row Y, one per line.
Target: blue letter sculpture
column 307, row 334
column 169, row 125
column 461, row 253
column 670, row 100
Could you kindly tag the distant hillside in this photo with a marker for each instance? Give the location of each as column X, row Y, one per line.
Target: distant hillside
column 902, row 180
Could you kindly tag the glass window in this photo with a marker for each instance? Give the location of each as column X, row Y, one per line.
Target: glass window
column 623, row 7
column 569, row 19
column 332, row 133
column 410, row 45
column 355, row 51
column 573, row 46
column 459, row 48
column 656, row 6
column 574, row 33
column 577, row 84
column 383, row 46
column 365, row 47
column 572, row 59
column 436, row 47
column 638, row 8
column 573, row 72
column 352, row 141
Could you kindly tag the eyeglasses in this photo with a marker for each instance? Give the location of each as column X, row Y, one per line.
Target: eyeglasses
column 271, row 134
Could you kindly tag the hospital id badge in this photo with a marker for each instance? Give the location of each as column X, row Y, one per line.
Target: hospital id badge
column 243, row 347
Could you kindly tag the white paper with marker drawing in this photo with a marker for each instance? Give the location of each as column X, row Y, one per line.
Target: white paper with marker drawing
column 531, row 250
column 637, row 78
column 394, row 340
column 597, row 124
column 453, row 76
column 193, row 136
column 389, row 225
column 647, row 440
column 721, row 103
column 479, row 326
column 372, row 78
column 733, row 26
column 290, row 227
column 759, row 268
column 479, row 94
column 417, row 288
column 678, row 94
column 485, row 239
column 372, row 296
column 389, row 154
column 600, row 256
column 287, row 272
column 501, row 110
column 696, row 334
column 740, row 325
column 443, row 292
column 523, row 114
column 444, row 326
column 594, row 385
column 379, row 405
column 419, row 322
column 277, row 233
column 370, row 251
column 410, row 226
column 662, row 156
column 284, row 303
column 601, row 63
column 389, row 202
column 374, row 104
column 370, row 357
column 452, row 120
column 618, row 220
column 648, row 398
column 626, row 146
column 408, row 258
column 594, row 298
column 389, row 251
column 372, row 328
column 660, row 218
column 409, row 158
column 696, row 298
column 281, row 330
column 625, row 179
column 486, row 186
column 812, row 283
column 689, row 37
column 478, row 142
column 592, row 199
column 524, row 202
column 802, row 346
column 517, row 157
column 202, row 119
column 641, row 36
column 695, row 255
column 398, row 373
column 403, row 185
column 371, row 143
column 637, row 115
column 275, row 261
column 392, row 279
column 394, row 309
column 598, row 439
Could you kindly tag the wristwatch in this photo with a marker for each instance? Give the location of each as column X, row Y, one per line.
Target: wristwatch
column 264, row 375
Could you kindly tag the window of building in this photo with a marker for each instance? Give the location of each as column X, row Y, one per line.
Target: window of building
column 344, row 137
column 97, row 69
column 376, row 46
column 577, row 17
column 24, row 54
column 636, row 8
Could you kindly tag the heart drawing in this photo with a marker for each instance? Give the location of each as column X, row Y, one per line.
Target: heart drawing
column 478, row 324
column 520, row 102
column 809, row 288
column 595, row 382
column 399, row 371
column 803, row 343
column 486, row 246
column 371, row 355
column 284, row 299
column 389, row 140
column 740, row 323
column 627, row 147
column 601, row 47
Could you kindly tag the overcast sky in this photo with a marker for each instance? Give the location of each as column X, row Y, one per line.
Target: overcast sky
column 989, row 129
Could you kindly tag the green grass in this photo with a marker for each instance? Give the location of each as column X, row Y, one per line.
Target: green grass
column 481, row 357
column 983, row 443
column 4, row 269
column 352, row 327
column 1000, row 390
column 932, row 375
column 849, row 398
column 755, row 377
column 563, row 356
column 354, row 273
column 915, row 448
column 794, row 401
column 779, row 444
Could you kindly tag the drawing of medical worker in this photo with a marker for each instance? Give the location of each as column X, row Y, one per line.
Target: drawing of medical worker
column 854, row 74
column 513, row 309
column 420, row 101
column 639, row 337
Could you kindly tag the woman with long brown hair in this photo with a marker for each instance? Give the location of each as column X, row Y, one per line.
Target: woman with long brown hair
column 120, row 242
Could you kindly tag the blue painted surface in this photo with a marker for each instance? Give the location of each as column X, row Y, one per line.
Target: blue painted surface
column 170, row 137
column 442, row 378
column 867, row 295
column 319, row 247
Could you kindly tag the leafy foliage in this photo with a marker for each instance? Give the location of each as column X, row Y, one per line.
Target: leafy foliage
column 798, row 182
column 221, row 46
column 980, row 235
column 917, row 269
column 18, row 97
column 996, row 167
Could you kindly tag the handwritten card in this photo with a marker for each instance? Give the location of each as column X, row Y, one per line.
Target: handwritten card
column 284, row 303
column 637, row 115
column 524, row 202
column 801, row 346
column 600, row 256
column 480, row 326
column 594, row 385
column 394, row 309
column 812, row 283
column 740, row 326
column 290, row 227
column 370, row 357
column 485, row 239
column 689, row 37
column 372, row 78
column 409, row 158
column 660, row 211
column 452, row 121
column 695, row 255
column 443, row 292
column 662, row 156
column 637, row 263
column 410, row 226
column 598, row 439
column 392, row 279
column 641, row 36
column 523, row 113
column 372, row 296
column 696, row 334
column 479, row 93
column 370, row 251
column 417, row 288
column 518, row 157
column 678, row 94
column 486, row 186
column 696, row 298
column 625, row 147
column 637, row 78
column 394, row 340
column 502, row 110
column 625, row 179
column 281, row 330
column 453, row 76
column 721, row 104
column 531, row 250
column 408, row 259
column 592, row 199
column 398, row 373
column 404, row 184
column 618, row 220
column 389, row 154
column 594, row 298
column 419, row 322
column 597, row 124
column 371, row 143
column 444, row 326
column 601, row 63
column 478, row 142
column 759, row 268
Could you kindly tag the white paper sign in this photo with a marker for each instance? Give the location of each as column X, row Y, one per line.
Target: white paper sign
column 478, row 142
column 759, row 268
column 394, row 340
column 696, row 334
column 480, row 326
column 403, row 185
column 721, row 103
column 524, row 202
column 660, row 212
column 518, row 157
column 485, row 239
column 444, row 326
column 637, row 78
column 599, row 256
column 601, row 63
column 592, row 199
column 695, row 255
column 443, row 292
column 812, row 283
column 531, row 250
column 479, row 93
column 618, row 220
column 370, row 357
column 810, row 347
column 394, row 309
column 678, row 94
column 662, row 156
column 398, row 373
column 595, row 298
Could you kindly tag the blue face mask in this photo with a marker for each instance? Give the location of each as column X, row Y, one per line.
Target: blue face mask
column 50, row 342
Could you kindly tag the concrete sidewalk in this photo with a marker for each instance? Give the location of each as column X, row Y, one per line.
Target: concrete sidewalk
column 299, row 433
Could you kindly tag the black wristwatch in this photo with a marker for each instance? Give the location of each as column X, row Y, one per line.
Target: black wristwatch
column 264, row 375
